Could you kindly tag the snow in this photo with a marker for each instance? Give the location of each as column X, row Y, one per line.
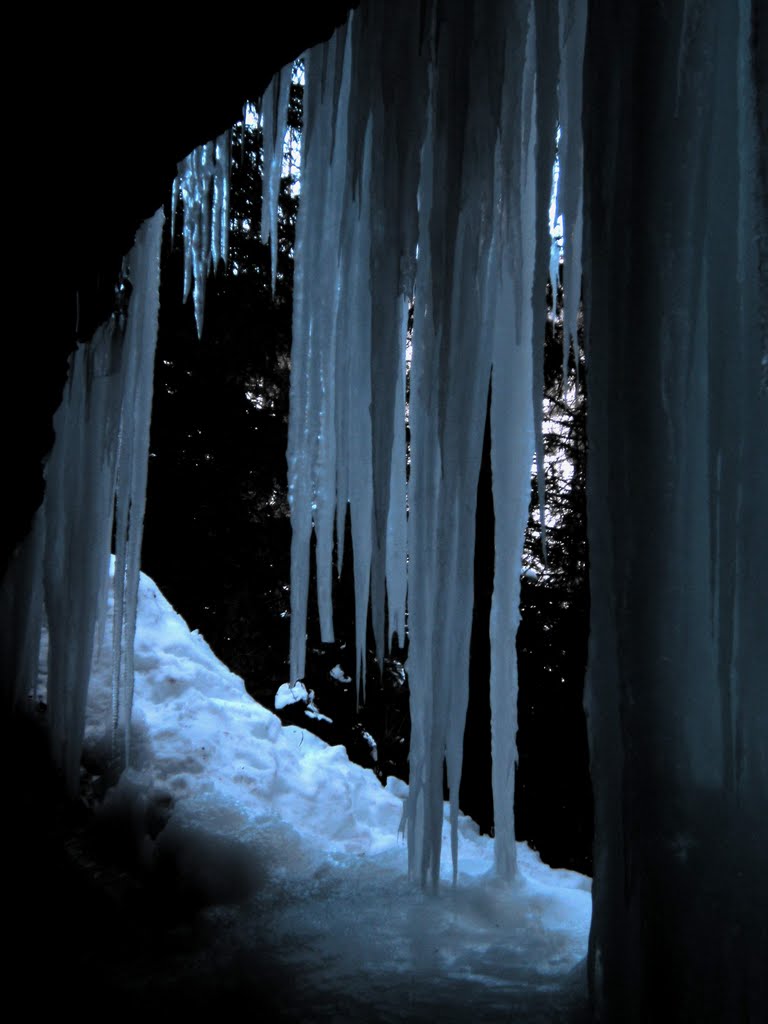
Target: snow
column 290, row 693
column 297, row 851
column 297, row 693
column 338, row 673
column 372, row 744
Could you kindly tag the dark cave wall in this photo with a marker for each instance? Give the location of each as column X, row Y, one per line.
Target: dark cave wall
column 103, row 113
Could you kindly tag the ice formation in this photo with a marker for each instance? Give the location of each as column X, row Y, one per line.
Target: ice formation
column 678, row 505
column 95, row 482
column 428, row 151
column 274, row 112
column 203, row 186
column 427, row 180
column 428, row 184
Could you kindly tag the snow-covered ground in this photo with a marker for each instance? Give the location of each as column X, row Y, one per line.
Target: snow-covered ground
column 295, row 853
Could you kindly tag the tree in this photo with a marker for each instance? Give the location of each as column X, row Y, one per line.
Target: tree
column 553, row 791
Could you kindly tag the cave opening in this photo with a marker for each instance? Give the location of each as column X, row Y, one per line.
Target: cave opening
column 676, row 709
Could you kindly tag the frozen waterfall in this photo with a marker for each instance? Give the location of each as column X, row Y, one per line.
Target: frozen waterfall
column 427, row 183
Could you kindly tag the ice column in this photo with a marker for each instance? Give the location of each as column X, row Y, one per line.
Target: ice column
column 678, row 506
column 132, row 465
column 98, row 463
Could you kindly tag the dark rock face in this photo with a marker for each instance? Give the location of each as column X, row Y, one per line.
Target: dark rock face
column 101, row 119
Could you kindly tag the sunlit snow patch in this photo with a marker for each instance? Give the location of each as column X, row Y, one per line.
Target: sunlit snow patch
column 297, row 693
column 338, row 673
column 290, row 693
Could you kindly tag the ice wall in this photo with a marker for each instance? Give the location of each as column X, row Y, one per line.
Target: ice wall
column 427, row 158
column 95, row 481
column 678, row 510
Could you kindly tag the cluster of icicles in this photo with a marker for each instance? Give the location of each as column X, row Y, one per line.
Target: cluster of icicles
column 203, row 186
column 425, row 192
column 425, row 187
column 95, row 486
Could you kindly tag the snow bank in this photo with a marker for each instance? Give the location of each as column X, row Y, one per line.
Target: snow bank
column 298, row 849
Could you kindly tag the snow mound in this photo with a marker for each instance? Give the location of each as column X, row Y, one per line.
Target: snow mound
column 275, row 826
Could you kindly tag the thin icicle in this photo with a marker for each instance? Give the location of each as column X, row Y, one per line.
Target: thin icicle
column 22, row 619
column 545, row 71
column 396, row 542
column 274, row 113
column 131, row 482
column 220, row 208
column 573, row 22
column 357, row 387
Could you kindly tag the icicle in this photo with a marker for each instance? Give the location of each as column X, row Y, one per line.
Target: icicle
column 544, row 27
column 220, row 206
column 396, row 539
column 21, row 619
column 274, row 112
column 203, row 182
column 174, row 208
column 573, row 21
column 131, row 483
column 78, row 517
column 512, row 316
column 353, row 380
column 313, row 426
